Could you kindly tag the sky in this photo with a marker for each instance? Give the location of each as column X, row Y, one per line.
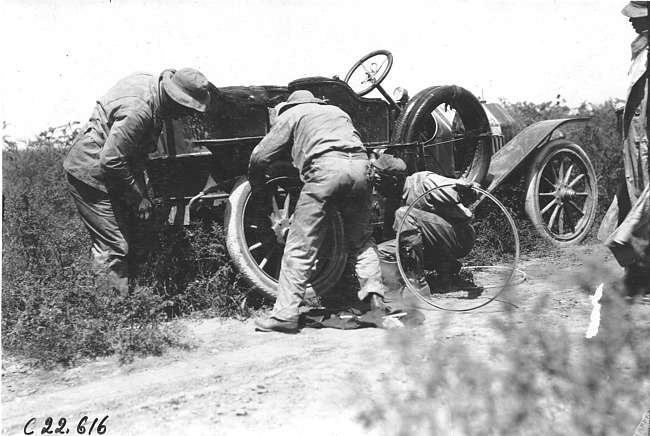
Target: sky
column 59, row 56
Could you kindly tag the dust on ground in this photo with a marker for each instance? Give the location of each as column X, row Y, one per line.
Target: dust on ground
column 239, row 381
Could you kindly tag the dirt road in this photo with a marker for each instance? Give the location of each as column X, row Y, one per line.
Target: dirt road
column 238, row 381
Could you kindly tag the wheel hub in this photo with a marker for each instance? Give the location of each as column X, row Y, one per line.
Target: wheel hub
column 564, row 192
column 280, row 227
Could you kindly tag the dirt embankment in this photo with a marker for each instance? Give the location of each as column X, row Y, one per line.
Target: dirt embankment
column 238, row 381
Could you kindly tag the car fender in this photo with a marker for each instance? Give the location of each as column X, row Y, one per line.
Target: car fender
column 523, row 145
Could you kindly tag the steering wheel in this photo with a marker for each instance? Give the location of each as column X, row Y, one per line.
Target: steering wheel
column 369, row 71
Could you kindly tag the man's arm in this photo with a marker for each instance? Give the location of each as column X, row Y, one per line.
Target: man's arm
column 122, row 142
column 270, row 148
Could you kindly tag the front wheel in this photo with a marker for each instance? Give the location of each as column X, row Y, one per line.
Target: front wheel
column 561, row 193
column 256, row 229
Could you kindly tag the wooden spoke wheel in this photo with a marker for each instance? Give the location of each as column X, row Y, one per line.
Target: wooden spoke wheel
column 561, row 192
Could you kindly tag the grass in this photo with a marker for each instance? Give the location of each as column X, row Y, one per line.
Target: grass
column 51, row 313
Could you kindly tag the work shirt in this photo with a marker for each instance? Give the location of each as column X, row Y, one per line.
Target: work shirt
column 444, row 202
column 307, row 130
column 123, row 128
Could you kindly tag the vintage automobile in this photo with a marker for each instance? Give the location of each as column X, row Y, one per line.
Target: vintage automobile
column 445, row 129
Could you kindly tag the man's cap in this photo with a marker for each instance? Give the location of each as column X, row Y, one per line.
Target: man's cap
column 297, row 97
column 636, row 9
column 390, row 165
column 187, row 87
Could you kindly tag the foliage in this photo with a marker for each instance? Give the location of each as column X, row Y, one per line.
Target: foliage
column 191, row 269
column 50, row 311
column 599, row 137
column 495, row 242
column 535, row 378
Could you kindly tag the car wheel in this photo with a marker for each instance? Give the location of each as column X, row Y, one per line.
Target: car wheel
column 561, row 192
column 255, row 248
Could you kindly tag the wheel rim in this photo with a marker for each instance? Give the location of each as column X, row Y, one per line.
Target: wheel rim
column 565, row 195
column 509, row 270
column 265, row 226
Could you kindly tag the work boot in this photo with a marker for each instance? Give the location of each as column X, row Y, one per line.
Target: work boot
column 414, row 272
column 377, row 302
column 276, row 325
column 441, row 284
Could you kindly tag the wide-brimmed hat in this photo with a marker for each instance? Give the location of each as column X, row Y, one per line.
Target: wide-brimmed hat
column 187, row 87
column 297, row 97
column 389, row 165
column 636, row 9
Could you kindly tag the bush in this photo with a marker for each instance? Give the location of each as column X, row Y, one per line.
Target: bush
column 50, row 311
column 495, row 242
column 534, row 379
column 191, row 269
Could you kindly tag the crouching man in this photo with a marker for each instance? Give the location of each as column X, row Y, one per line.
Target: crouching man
column 334, row 166
column 436, row 232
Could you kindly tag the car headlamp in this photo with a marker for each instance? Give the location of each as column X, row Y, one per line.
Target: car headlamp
column 400, row 95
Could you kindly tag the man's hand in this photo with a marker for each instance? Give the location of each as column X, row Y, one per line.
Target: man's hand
column 466, row 192
column 144, row 209
column 257, row 182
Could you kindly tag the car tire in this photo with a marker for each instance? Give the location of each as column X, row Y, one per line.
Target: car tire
column 257, row 255
column 417, row 117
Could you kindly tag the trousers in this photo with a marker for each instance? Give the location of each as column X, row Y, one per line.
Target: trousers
column 112, row 227
column 443, row 241
column 331, row 182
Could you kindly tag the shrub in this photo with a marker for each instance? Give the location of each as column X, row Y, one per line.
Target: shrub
column 191, row 269
column 50, row 311
column 534, row 379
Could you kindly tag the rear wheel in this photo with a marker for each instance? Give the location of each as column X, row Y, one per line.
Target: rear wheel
column 256, row 230
column 561, row 192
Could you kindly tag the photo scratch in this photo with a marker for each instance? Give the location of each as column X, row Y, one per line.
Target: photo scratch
column 592, row 330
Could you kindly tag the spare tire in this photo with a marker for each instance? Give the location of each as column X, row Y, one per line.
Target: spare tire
column 417, row 123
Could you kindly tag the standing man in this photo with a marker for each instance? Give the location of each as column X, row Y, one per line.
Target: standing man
column 437, row 231
column 630, row 210
column 105, row 162
column 326, row 149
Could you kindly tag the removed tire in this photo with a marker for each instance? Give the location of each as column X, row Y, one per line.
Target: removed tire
column 256, row 245
column 562, row 192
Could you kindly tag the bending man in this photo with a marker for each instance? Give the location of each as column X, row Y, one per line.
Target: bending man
column 105, row 162
column 326, row 149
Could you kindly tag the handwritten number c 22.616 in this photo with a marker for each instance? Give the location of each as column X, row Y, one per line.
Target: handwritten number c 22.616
column 96, row 426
